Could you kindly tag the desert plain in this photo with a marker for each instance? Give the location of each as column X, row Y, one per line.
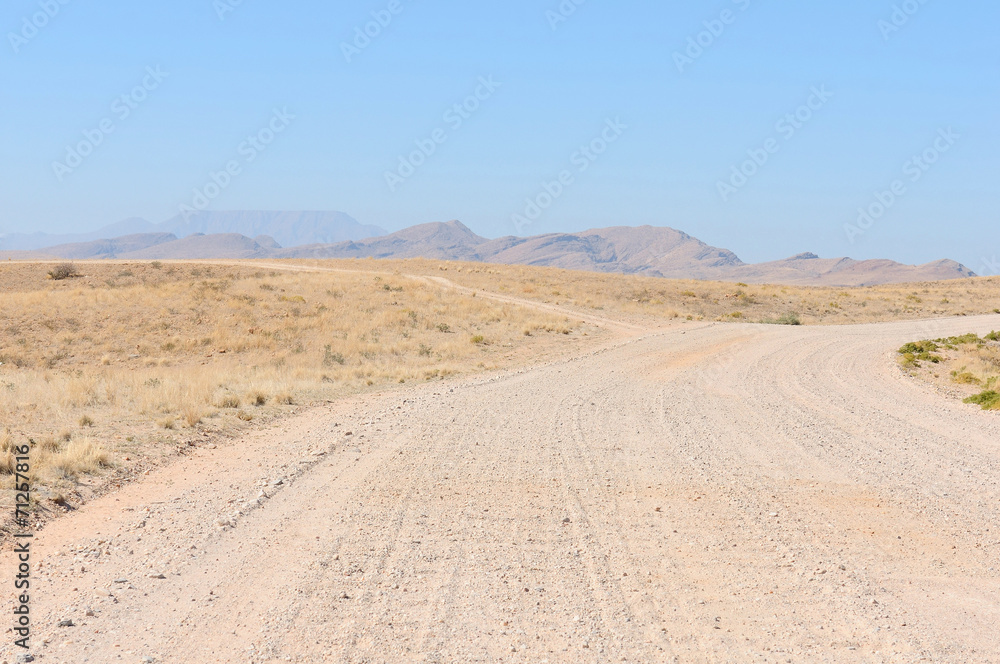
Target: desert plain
column 428, row 461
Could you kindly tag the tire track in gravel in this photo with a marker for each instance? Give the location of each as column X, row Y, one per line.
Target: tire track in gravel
column 266, row 563
column 589, row 519
column 620, row 549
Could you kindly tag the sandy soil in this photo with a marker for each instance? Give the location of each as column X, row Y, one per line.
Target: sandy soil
column 703, row 493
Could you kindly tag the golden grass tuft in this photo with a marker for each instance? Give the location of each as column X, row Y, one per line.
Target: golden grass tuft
column 192, row 415
column 80, row 456
column 229, row 401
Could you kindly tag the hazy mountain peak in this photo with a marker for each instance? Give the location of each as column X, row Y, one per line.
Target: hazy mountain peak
column 447, row 231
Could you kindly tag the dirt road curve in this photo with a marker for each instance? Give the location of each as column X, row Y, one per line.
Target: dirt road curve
column 710, row 493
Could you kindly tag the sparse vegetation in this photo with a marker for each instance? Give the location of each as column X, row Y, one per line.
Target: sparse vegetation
column 653, row 299
column 971, row 363
column 135, row 354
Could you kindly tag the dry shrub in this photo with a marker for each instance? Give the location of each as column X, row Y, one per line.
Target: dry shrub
column 63, row 271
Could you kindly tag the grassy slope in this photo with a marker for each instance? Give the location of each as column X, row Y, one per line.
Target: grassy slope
column 132, row 358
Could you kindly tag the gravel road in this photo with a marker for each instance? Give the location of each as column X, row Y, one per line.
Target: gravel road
column 704, row 493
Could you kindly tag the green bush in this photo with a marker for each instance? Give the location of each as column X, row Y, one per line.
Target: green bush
column 917, row 347
column 989, row 400
column 787, row 319
column 920, row 350
column 954, row 342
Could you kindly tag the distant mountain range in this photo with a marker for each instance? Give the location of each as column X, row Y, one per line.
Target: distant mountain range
column 287, row 228
column 644, row 250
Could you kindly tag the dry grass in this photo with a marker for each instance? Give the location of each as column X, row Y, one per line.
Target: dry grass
column 154, row 351
column 52, row 460
column 654, row 299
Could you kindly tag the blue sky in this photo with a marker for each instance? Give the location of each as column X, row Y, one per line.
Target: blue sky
column 684, row 125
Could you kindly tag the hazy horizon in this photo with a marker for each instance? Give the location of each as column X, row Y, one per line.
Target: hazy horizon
column 990, row 264
column 613, row 115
